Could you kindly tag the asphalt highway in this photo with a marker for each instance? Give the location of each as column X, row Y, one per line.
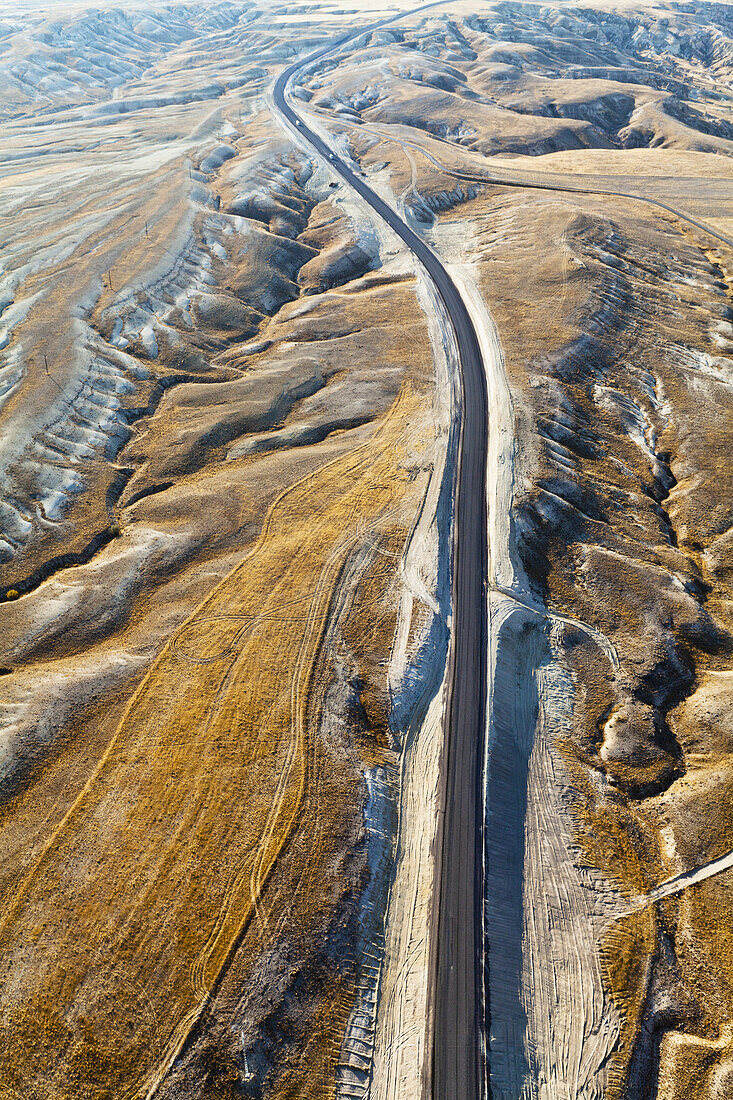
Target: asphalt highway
column 458, row 976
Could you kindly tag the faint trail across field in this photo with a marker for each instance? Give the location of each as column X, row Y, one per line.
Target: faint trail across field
column 535, row 182
column 682, row 881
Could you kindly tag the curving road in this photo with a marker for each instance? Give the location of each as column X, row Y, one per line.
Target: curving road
column 458, row 1025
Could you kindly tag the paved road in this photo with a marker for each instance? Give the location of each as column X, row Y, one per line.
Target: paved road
column 457, row 1059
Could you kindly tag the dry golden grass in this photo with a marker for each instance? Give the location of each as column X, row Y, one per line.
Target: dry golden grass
column 114, row 941
column 704, row 953
column 619, row 832
column 626, row 954
column 314, row 1072
column 686, row 1063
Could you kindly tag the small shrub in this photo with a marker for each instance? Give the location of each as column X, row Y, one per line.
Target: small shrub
column 12, row 594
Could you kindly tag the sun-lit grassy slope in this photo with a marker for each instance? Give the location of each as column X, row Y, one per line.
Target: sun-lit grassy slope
column 200, row 336
column 119, row 933
column 273, row 414
column 614, row 318
column 155, row 222
column 622, row 334
column 212, row 365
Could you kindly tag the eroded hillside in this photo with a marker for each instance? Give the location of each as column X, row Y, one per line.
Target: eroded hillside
column 230, row 408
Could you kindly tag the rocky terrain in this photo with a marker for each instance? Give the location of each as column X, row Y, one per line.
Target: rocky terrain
column 230, row 408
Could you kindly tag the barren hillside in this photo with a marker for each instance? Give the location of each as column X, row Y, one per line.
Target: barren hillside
column 236, row 430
